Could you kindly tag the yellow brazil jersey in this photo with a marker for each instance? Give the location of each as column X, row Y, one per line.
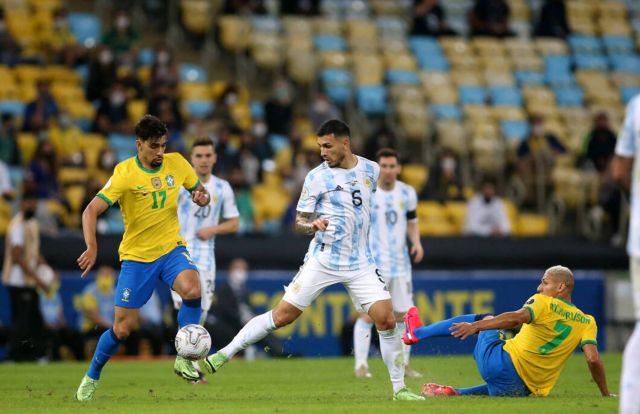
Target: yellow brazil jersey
column 149, row 203
column 542, row 347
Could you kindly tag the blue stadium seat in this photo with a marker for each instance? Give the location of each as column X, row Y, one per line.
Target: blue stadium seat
column 505, row 95
column 15, row 108
column 124, row 145
column 372, row 99
column 618, row 44
column 265, row 24
column 391, row 27
column 514, row 130
column 569, row 96
column 16, row 175
column 432, row 63
column 472, row 95
column 83, row 71
column 86, row 28
column 337, row 84
column 190, row 72
column 199, row 109
column 406, row 77
column 146, row 56
column 277, row 142
column 625, row 63
column 628, row 92
column 557, row 63
column 527, row 77
column 329, row 43
column 424, row 45
column 559, row 79
column 591, row 62
column 585, row 44
column 257, row 110
column 446, row 111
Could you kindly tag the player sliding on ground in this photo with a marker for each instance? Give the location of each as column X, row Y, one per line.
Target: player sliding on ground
column 146, row 187
column 334, row 208
column 531, row 362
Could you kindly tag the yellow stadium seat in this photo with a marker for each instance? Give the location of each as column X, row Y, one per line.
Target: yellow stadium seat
column 415, row 175
column 509, row 113
column 456, row 46
column 195, row 91
column 72, row 175
column 435, row 79
column 551, row 46
column 407, row 94
column 74, row 194
column 451, row 135
column 532, row 225
column 333, row 59
column 466, row 77
column 488, row 46
column 27, row 144
column 442, row 95
column 28, row 73
column 394, row 45
column 414, row 120
column 298, row 27
column 611, row 10
column 433, row 220
column 456, row 212
column 477, row 112
column 324, row 26
column 196, row 15
column 92, row 146
column 136, row 109
column 361, row 29
column 400, row 61
column 618, row 27
column 464, row 62
column 234, row 32
column 301, row 67
column 498, row 77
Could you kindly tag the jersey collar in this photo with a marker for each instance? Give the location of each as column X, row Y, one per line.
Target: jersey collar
column 139, row 164
column 568, row 303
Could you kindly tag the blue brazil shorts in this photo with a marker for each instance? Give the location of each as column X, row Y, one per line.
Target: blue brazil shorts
column 496, row 368
column 138, row 279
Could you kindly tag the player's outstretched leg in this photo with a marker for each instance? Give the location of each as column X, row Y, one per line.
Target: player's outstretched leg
column 391, row 348
column 187, row 285
column 254, row 331
column 409, row 372
column 415, row 332
column 361, row 344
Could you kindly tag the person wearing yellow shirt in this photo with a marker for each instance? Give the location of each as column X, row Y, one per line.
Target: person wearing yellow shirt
column 146, row 186
column 531, row 362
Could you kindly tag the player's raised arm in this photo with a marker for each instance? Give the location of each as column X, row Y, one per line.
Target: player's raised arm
column 506, row 320
column 90, row 215
column 305, row 225
column 200, row 196
column 596, row 367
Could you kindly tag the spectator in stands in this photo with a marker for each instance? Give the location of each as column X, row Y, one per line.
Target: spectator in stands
column 490, row 18
column 300, row 7
column 43, row 171
column 60, row 43
column 279, row 109
column 164, row 69
column 231, row 310
column 102, row 74
column 122, row 38
column 236, row 178
column 429, row 19
column 8, row 144
column 112, row 115
column 536, row 157
column 38, row 112
column 223, row 107
column 486, row 213
column 553, row 20
column 9, row 47
column 600, row 143
column 65, row 137
column 56, row 331
column 382, row 137
column 228, row 155
column 175, row 142
column 19, row 273
column 244, row 7
column 322, row 109
column 161, row 92
column 444, row 182
column 6, row 188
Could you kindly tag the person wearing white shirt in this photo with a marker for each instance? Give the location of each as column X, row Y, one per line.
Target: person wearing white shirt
column 486, row 213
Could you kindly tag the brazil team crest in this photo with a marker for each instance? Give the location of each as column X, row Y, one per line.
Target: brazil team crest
column 169, row 180
column 125, row 294
column 156, row 183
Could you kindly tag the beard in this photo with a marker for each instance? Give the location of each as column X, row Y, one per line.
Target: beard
column 156, row 163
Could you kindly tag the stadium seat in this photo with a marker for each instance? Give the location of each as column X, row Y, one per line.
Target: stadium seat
column 618, row 45
column 433, row 63
column 569, row 96
column 581, row 44
column 629, row 92
column 403, row 77
column 456, row 212
column 329, row 43
column 86, row 28
column 625, row 63
column 474, row 95
column 446, row 111
column 234, row 32
column 525, row 77
column 505, row 96
column 372, row 99
column 415, row 175
column 445, row 94
column 514, row 130
column 265, row 24
column 391, row 26
column 433, row 220
column 591, row 62
column 337, row 84
column 27, row 144
column 424, row 45
column 192, row 73
column 15, row 108
column 199, row 109
column 451, row 135
column 146, row 56
column 277, row 142
column 551, row 46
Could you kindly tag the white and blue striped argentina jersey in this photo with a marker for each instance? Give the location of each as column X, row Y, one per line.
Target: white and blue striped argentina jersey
column 629, row 146
column 193, row 217
column 388, row 234
column 344, row 198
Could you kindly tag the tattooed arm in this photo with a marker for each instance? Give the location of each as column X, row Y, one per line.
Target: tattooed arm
column 304, row 224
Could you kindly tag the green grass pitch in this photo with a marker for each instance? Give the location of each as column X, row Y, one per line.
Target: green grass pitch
column 285, row 386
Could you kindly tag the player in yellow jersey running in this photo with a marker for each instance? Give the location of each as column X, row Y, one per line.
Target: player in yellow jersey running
column 146, row 186
column 531, row 362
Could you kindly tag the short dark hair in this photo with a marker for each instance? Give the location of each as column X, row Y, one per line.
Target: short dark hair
column 335, row 127
column 150, row 127
column 387, row 152
column 203, row 142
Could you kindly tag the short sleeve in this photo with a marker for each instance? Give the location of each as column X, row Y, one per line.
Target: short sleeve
column 191, row 180
column 309, row 196
column 536, row 305
column 16, row 235
column 412, row 204
column 376, row 174
column 229, row 207
column 590, row 334
column 114, row 188
column 626, row 146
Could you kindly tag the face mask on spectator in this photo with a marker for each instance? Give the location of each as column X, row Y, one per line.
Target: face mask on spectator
column 108, row 159
column 65, row 121
column 122, row 23
column 537, row 130
column 231, row 99
column 163, row 58
column 117, row 98
column 321, row 106
column 448, row 164
column 260, row 129
column 60, row 23
column 105, row 57
column 238, row 277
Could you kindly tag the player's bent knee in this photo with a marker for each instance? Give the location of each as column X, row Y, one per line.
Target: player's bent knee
column 191, row 292
column 122, row 330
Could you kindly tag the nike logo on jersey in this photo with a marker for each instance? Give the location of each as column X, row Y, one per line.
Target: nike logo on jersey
column 140, row 187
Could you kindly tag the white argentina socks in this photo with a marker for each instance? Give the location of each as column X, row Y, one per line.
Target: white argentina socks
column 256, row 329
column 391, row 349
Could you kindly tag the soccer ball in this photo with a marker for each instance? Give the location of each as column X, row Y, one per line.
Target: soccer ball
column 193, row 342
